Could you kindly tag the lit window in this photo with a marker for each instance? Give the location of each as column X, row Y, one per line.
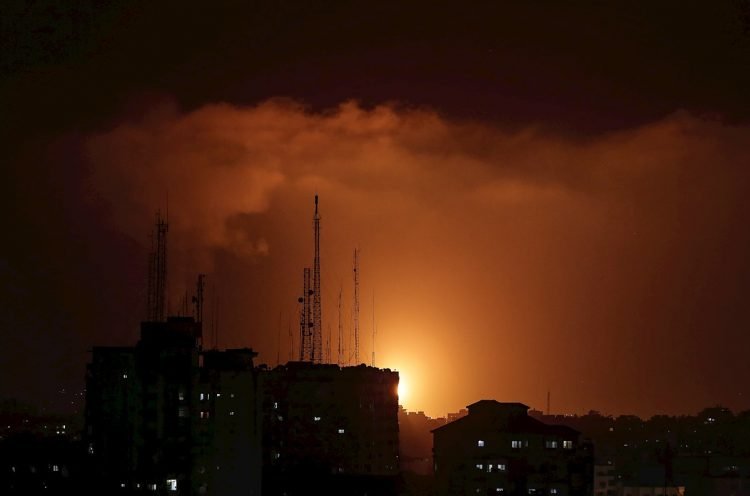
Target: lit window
column 341, row 431
column 172, row 484
column 499, row 490
column 275, row 405
column 231, row 395
column 55, row 468
column 553, row 491
column 203, row 396
column 550, row 444
column 532, row 490
column 181, row 395
column 218, row 395
column 515, row 444
column 480, row 466
column 152, row 487
column 124, row 376
column 568, row 444
column 182, row 412
column 501, row 466
column 205, row 415
column 231, row 414
column 316, row 419
column 122, row 484
column 480, row 443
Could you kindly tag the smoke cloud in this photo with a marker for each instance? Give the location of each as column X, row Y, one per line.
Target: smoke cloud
column 497, row 260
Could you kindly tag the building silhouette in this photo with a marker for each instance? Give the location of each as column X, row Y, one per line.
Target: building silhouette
column 166, row 417
column 330, row 427
column 499, row 449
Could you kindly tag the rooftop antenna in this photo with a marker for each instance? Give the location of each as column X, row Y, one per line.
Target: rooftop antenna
column 317, row 331
column 373, row 328
column 216, row 323
column 340, row 348
column 305, row 319
column 157, row 271
column 356, row 306
column 328, row 344
column 200, row 286
column 291, row 339
column 278, row 342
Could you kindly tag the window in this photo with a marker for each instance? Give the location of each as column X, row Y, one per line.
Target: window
column 182, row 412
column 205, row 415
column 501, row 467
column 181, row 395
column 550, row 444
column 316, row 419
column 480, row 443
column 499, row 490
column 568, row 444
column 152, row 487
column 553, row 491
column 124, row 376
column 341, row 431
column 516, row 444
column 275, row 405
column 172, row 484
column 480, row 466
column 55, row 468
column 202, row 397
column 231, row 414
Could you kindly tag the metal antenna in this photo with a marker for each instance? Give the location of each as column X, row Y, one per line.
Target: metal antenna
column 340, row 348
column 317, row 331
column 278, row 342
column 157, row 272
column 356, row 306
column 200, row 286
column 306, row 319
column 373, row 328
column 328, row 344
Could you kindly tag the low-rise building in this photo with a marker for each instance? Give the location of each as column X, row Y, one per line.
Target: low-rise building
column 499, row 449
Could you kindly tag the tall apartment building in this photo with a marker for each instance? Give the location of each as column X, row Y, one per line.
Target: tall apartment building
column 330, row 428
column 165, row 417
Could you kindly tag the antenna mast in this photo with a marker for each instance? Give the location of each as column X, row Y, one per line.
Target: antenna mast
column 157, row 271
column 317, row 331
column 356, row 306
column 340, row 348
column 305, row 320
column 373, row 328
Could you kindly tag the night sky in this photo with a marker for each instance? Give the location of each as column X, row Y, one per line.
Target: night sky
column 546, row 195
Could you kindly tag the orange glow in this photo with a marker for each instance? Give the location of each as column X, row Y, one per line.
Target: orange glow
column 498, row 259
column 403, row 390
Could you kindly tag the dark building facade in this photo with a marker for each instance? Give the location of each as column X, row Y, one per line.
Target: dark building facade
column 165, row 417
column 330, row 428
column 499, row 449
